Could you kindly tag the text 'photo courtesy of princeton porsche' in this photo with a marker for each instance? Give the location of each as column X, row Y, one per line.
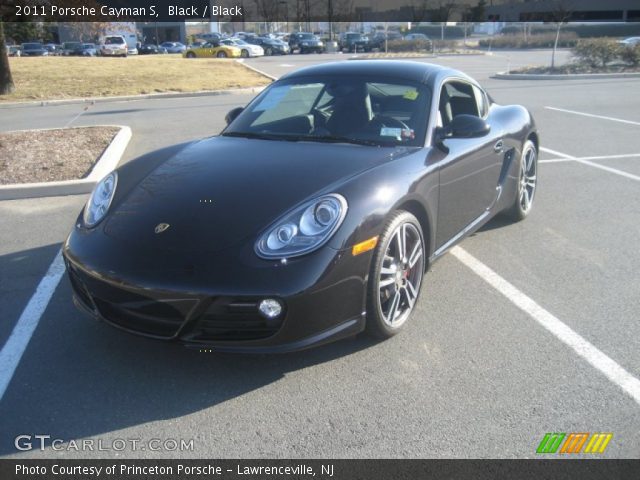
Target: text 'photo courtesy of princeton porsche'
column 319, row 239
column 313, row 216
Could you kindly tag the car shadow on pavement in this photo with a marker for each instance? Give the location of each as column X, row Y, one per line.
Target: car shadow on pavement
column 500, row 221
column 80, row 378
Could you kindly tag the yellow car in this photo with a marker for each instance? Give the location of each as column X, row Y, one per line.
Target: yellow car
column 212, row 49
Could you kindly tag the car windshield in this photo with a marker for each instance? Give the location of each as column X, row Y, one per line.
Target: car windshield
column 114, row 41
column 354, row 36
column 32, row 46
column 88, row 46
column 307, row 36
column 379, row 112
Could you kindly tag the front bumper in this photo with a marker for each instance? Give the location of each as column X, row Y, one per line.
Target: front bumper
column 311, row 48
column 215, row 305
column 112, row 52
column 280, row 50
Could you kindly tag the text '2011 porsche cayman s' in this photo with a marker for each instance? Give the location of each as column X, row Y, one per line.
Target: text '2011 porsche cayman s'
column 313, row 216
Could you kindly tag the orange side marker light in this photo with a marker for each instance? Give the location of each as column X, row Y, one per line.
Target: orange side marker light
column 365, row 246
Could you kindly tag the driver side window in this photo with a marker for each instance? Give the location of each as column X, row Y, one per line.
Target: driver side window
column 457, row 98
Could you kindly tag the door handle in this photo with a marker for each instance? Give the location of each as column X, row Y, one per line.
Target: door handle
column 499, row 146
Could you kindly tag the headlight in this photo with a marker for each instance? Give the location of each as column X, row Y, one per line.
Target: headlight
column 305, row 229
column 320, row 44
column 100, row 200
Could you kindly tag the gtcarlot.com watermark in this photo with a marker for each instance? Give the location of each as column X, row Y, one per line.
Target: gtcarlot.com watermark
column 42, row 442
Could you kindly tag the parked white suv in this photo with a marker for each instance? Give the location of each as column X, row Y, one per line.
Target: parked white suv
column 114, row 46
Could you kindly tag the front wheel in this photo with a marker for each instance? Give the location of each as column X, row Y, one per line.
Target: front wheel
column 527, row 182
column 395, row 277
column 191, row 55
column 221, row 55
column 244, row 54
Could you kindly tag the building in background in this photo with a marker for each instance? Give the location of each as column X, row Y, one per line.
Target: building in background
column 158, row 32
column 579, row 10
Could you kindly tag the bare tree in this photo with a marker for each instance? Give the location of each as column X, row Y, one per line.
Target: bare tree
column 443, row 11
column 562, row 12
column 267, row 10
column 91, row 31
column 342, row 10
column 6, row 80
column 419, row 10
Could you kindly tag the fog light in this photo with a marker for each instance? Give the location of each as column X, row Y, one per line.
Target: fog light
column 270, row 308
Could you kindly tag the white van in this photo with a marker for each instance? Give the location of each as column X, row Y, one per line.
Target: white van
column 113, row 46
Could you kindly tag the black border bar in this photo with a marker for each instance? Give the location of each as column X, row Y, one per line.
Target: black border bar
column 559, row 469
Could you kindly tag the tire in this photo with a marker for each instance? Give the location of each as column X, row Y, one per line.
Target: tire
column 268, row 51
column 221, row 55
column 395, row 276
column 244, row 54
column 191, row 55
column 527, row 183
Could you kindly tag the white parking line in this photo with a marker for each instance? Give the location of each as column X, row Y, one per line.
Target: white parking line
column 13, row 350
column 601, row 117
column 556, row 160
column 599, row 360
column 591, row 164
column 601, row 157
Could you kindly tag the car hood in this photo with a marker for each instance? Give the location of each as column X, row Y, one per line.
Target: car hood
column 221, row 191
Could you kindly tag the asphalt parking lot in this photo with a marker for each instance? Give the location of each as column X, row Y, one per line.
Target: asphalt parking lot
column 484, row 370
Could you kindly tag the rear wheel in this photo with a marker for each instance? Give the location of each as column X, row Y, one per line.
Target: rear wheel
column 395, row 277
column 268, row 51
column 244, row 54
column 191, row 55
column 222, row 55
column 527, row 182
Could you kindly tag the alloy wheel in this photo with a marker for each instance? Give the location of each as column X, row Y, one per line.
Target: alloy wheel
column 528, row 177
column 401, row 275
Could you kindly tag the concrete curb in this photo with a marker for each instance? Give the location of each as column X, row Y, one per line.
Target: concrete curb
column 463, row 54
column 426, row 55
column 575, row 76
column 107, row 162
column 126, row 98
column 257, row 70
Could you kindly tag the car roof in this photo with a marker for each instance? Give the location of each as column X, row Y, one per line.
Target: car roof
column 427, row 73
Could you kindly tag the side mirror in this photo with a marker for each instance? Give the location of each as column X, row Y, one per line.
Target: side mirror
column 468, row 126
column 231, row 116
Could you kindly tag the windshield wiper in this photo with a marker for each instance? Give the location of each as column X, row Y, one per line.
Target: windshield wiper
column 308, row 138
column 341, row 139
column 259, row 136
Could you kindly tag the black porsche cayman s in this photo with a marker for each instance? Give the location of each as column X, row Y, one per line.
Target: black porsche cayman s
column 313, row 216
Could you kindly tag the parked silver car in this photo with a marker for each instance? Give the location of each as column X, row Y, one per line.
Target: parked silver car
column 174, row 47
